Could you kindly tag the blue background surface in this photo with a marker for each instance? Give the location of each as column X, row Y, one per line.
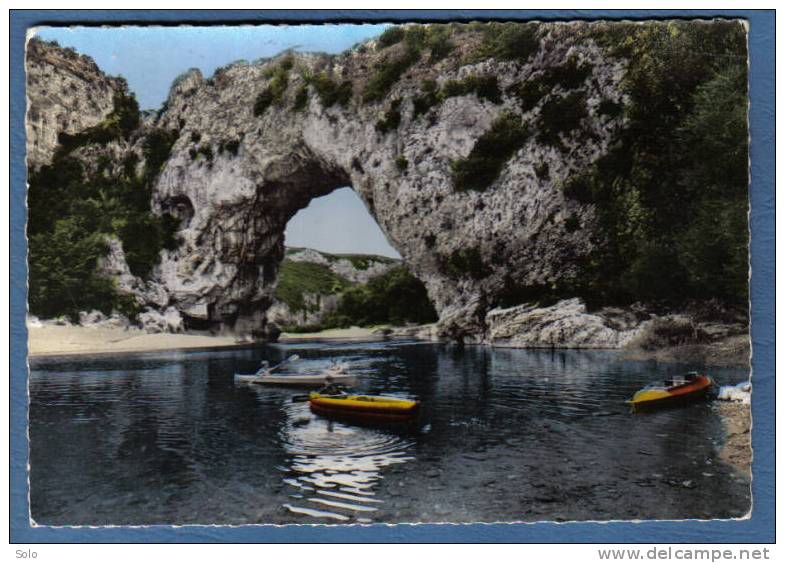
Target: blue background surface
column 758, row 529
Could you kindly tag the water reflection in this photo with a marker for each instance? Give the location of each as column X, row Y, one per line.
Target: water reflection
column 337, row 466
column 511, row 435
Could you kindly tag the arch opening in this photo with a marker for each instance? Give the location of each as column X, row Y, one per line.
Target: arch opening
column 339, row 270
column 338, row 223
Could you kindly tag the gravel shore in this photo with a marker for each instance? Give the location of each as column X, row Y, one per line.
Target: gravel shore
column 737, row 448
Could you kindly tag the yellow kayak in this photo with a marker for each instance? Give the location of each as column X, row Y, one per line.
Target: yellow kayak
column 693, row 386
column 364, row 407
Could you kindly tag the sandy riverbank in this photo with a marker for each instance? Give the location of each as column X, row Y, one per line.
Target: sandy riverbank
column 351, row 333
column 71, row 339
column 50, row 340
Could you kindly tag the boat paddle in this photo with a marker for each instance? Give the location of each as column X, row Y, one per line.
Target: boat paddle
column 292, row 358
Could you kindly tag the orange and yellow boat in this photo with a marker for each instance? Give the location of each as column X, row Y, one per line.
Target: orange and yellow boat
column 690, row 387
column 364, row 408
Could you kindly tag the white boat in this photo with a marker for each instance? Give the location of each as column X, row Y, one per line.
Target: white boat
column 338, row 373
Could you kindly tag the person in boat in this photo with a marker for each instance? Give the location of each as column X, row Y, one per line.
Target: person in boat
column 331, row 387
column 264, row 368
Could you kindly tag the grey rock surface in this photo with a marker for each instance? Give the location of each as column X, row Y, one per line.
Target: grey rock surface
column 235, row 207
column 566, row 324
column 67, row 93
column 316, row 307
column 234, row 203
column 96, row 319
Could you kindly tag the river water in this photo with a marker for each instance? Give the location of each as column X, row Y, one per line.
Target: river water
column 504, row 436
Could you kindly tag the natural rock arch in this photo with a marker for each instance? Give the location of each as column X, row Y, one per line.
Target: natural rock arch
column 239, row 174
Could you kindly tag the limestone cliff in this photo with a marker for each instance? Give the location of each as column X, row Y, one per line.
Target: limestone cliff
column 467, row 246
column 67, row 93
column 396, row 121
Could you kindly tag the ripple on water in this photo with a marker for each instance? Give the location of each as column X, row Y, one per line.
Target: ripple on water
column 337, row 466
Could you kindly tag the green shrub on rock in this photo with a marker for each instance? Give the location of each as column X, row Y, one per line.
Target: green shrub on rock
column 490, row 154
column 391, row 36
column 430, row 97
column 388, row 71
column 559, row 116
column 331, row 92
column 274, row 92
column 438, row 43
column 485, row 87
column 568, row 76
column 509, row 41
column 465, row 263
column 124, row 118
column 301, row 98
column 391, row 119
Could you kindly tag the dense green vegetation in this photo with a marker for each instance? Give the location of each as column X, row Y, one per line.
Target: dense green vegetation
column 396, row 297
column 672, row 193
column 72, row 209
column 509, row 41
column 417, row 40
column 490, row 153
column 295, row 278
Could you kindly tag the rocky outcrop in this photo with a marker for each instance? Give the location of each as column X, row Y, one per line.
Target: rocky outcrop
column 66, row 93
column 256, row 142
column 96, row 319
column 153, row 320
column 315, row 307
column 566, row 324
